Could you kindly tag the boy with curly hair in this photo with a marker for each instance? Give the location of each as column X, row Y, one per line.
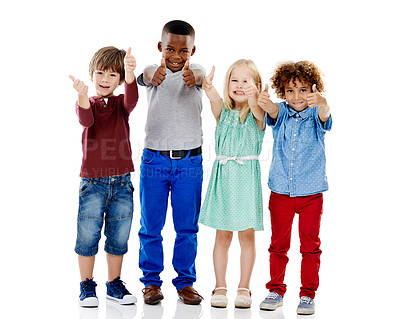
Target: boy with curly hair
column 297, row 175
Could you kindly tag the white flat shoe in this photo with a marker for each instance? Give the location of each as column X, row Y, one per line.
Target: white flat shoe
column 242, row 301
column 219, row 301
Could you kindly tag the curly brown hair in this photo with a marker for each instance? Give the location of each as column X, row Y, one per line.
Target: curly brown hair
column 304, row 71
column 108, row 58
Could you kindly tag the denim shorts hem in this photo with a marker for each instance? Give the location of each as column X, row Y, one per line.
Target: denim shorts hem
column 115, row 251
column 86, row 253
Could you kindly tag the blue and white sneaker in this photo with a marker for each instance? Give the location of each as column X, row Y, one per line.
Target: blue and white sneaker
column 306, row 306
column 88, row 297
column 272, row 302
column 117, row 292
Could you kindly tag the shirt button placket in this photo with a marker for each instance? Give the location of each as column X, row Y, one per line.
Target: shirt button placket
column 293, row 145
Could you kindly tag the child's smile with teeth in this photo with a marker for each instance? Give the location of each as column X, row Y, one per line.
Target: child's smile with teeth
column 237, row 82
column 105, row 82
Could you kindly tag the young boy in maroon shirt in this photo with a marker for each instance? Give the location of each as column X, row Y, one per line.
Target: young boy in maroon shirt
column 106, row 191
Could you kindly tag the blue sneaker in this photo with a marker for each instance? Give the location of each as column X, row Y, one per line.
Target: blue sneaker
column 117, row 292
column 88, row 297
column 306, row 306
column 272, row 302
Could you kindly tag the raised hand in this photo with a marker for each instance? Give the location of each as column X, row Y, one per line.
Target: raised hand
column 79, row 86
column 207, row 82
column 129, row 61
column 160, row 74
column 250, row 89
column 130, row 66
column 188, row 75
column 263, row 98
column 315, row 98
column 266, row 104
column 82, row 89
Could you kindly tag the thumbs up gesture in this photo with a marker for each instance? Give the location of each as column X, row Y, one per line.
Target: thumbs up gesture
column 315, row 98
column 79, row 86
column 160, row 74
column 250, row 89
column 188, row 75
column 82, row 89
column 130, row 66
column 207, row 82
column 263, row 98
column 129, row 61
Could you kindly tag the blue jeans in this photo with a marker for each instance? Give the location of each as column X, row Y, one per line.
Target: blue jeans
column 109, row 198
column 160, row 175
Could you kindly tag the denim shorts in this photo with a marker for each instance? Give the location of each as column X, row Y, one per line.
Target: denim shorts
column 107, row 200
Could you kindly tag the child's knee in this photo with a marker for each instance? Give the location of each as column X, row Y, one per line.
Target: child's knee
column 246, row 235
column 223, row 237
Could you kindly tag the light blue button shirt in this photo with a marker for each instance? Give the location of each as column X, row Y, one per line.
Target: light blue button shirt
column 298, row 166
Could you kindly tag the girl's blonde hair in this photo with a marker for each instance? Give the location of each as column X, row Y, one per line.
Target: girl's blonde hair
column 229, row 103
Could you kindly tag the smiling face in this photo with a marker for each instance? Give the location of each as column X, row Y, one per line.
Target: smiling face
column 105, row 82
column 296, row 93
column 238, row 79
column 176, row 50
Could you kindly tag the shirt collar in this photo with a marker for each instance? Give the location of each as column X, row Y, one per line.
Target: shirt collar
column 303, row 114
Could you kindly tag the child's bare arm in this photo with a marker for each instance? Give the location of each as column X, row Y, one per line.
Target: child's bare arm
column 130, row 66
column 213, row 96
column 316, row 99
column 155, row 76
column 267, row 105
column 250, row 89
column 82, row 89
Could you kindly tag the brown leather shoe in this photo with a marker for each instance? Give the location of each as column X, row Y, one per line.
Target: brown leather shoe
column 189, row 295
column 152, row 294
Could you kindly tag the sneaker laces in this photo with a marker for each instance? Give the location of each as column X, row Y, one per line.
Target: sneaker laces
column 89, row 287
column 272, row 295
column 306, row 300
column 119, row 286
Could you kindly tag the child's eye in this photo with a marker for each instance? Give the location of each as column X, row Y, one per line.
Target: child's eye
column 99, row 72
column 169, row 50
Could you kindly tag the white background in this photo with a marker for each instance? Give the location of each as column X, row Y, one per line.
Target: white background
column 355, row 43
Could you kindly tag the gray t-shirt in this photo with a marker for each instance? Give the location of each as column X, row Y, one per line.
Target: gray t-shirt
column 174, row 114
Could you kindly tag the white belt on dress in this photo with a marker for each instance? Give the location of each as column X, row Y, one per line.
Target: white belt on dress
column 238, row 159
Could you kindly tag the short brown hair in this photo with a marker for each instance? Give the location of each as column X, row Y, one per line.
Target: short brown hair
column 304, row 71
column 108, row 58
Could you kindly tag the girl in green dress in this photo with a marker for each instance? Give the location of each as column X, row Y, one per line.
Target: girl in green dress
column 234, row 200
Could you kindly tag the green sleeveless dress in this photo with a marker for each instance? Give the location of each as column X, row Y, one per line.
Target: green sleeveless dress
column 234, row 198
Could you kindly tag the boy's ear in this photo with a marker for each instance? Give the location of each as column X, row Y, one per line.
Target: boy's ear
column 193, row 50
column 159, row 46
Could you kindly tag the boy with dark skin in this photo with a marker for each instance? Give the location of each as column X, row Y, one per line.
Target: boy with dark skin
column 172, row 163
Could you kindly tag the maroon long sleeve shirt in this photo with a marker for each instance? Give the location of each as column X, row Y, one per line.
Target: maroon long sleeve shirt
column 105, row 139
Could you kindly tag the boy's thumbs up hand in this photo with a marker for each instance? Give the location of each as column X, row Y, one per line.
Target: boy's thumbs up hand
column 129, row 61
column 160, row 74
column 207, row 82
column 79, row 86
column 263, row 98
column 186, row 66
column 315, row 98
column 188, row 75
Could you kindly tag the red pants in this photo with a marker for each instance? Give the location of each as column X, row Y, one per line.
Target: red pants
column 282, row 209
